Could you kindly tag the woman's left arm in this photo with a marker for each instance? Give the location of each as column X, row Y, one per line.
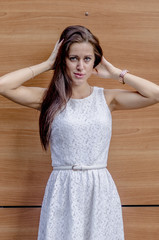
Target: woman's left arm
column 146, row 93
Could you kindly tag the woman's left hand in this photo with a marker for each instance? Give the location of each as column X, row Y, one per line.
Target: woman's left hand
column 106, row 70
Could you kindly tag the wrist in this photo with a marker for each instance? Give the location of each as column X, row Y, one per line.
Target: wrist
column 116, row 74
column 48, row 65
column 39, row 68
column 120, row 74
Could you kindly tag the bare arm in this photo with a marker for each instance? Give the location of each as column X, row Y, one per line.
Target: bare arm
column 11, row 86
column 146, row 93
column 11, row 83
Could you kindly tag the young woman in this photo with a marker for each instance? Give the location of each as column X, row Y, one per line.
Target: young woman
column 81, row 201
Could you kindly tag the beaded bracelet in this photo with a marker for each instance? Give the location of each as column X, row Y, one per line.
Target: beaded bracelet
column 121, row 76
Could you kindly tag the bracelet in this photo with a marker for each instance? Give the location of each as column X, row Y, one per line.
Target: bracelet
column 32, row 72
column 121, row 76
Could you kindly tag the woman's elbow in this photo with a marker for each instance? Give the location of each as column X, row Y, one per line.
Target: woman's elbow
column 2, row 85
column 157, row 95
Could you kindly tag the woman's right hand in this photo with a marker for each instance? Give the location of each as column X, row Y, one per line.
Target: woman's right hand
column 53, row 55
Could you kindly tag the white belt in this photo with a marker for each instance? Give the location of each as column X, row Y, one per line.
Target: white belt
column 78, row 167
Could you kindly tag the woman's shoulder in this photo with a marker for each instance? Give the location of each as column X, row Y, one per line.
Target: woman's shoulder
column 110, row 96
column 106, row 92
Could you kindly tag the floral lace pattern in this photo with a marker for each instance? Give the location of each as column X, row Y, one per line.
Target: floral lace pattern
column 81, row 205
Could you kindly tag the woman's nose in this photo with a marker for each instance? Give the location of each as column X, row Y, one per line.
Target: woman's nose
column 80, row 65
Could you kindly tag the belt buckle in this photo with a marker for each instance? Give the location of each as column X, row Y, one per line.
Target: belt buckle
column 74, row 168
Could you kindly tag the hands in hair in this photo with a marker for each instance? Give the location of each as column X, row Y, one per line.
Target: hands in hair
column 106, row 70
column 53, row 55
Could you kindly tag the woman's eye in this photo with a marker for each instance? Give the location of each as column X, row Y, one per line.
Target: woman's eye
column 87, row 59
column 73, row 58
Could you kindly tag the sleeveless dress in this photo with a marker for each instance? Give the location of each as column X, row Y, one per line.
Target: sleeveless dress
column 81, row 205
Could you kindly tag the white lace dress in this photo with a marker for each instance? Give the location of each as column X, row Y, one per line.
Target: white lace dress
column 81, row 205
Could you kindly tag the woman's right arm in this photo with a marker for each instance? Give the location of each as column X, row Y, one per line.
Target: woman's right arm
column 11, row 86
column 11, row 83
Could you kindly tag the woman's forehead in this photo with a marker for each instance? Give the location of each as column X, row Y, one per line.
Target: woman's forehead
column 84, row 47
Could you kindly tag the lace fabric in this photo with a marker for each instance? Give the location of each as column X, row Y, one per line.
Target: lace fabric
column 81, row 205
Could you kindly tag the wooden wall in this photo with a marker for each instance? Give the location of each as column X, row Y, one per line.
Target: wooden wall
column 129, row 33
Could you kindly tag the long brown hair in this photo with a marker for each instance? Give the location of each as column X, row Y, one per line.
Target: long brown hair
column 60, row 88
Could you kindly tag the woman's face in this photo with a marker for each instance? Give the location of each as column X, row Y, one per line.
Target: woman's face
column 80, row 62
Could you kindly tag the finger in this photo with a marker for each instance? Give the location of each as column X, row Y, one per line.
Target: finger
column 57, row 45
column 105, row 61
column 61, row 41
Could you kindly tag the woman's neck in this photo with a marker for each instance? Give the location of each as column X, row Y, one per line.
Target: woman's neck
column 80, row 92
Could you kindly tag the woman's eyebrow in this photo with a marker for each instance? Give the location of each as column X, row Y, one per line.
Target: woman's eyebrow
column 88, row 55
column 75, row 55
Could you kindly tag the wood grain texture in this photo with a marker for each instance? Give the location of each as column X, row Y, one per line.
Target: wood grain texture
column 25, row 168
column 134, row 153
column 141, row 223
column 128, row 32
column 19, row 224
column 22, row 224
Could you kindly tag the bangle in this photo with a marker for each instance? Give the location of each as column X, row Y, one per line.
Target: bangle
column 121, row 76
column 32, row 72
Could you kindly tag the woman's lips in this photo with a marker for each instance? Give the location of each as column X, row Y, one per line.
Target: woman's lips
column 79, row 75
